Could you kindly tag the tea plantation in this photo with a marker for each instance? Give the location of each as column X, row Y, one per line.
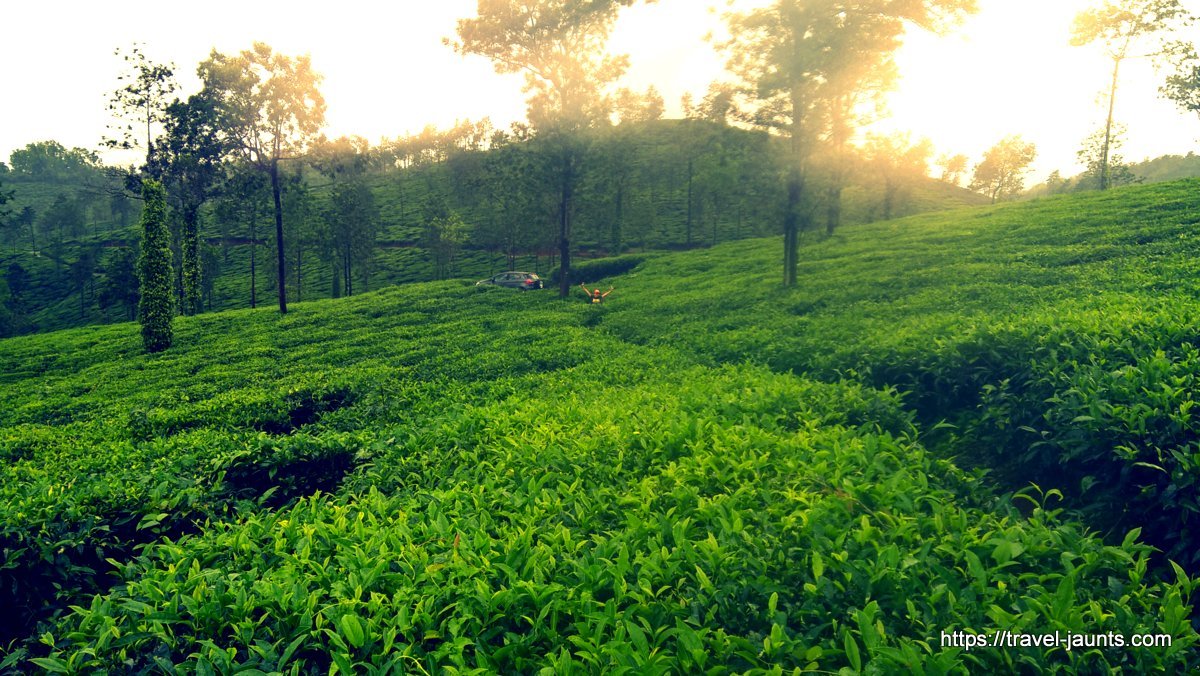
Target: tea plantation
column 707, row 474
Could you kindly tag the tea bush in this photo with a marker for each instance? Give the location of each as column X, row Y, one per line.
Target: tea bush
column 697, row 476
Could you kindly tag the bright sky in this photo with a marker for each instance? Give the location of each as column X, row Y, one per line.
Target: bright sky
column 386, row 72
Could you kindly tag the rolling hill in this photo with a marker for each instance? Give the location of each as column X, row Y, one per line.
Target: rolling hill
column 78, row 258
column 956, row 424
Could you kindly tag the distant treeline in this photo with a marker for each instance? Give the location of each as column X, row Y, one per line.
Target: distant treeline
column 462, row 202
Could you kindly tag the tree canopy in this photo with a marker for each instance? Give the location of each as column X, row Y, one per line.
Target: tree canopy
column 269, row 109
column 1001, row 174
column 803, row 63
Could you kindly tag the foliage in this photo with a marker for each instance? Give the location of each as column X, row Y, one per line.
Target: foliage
column 156, row 308
column 351, row 225
column 1001, row 173
column 1122, row 26
column 1104, row 165
column 268, row 109
column 189, row 157
column 143, row 98
column 559, row 46
column 603, row 268
column 432, row 482
column 1183, row 85
column 50, row 161
column 898, row 163
column 805, row 66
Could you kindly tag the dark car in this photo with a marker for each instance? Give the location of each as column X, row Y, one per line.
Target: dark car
column 514, row 280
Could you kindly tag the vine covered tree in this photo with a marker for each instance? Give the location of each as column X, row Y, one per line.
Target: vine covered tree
column 188, row 158
column 269, row 110
column 156, row 303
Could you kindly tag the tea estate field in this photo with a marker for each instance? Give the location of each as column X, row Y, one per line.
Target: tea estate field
column 969, row 422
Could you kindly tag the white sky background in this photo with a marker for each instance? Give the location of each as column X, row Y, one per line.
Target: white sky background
column 1009, row 70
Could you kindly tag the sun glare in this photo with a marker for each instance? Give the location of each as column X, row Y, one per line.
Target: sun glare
column 1008, row 70
column 1011, row 70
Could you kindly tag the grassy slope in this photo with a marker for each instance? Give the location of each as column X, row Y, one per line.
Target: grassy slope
column 555, row 484
column 1057, row 335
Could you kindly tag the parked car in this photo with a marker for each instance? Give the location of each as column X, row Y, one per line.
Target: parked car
column 514, row 280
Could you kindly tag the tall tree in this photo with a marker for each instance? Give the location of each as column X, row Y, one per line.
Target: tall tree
column 242, row 196
column 352, row 222
column 1104, row 165
column 141, row 100
column 50, row 161
column 1001, row 174
column 120, row 285
column 953, row 167
column 1122, row 26
column 5, row 197
column 796, row 61
column 897, row 162
column 188, row 158
column 513, row 190
column 156, row 305
column 270, row 110
column 560, row 47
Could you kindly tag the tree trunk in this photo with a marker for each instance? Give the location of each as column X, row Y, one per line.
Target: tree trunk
column 564, row 224
column 616, row 226
column 791, row 234
column 833, row 212
column 279, row 236
column 1112, row 99
column 253, row 254
column 191, row 260
column 688, row 225
column 299, row 261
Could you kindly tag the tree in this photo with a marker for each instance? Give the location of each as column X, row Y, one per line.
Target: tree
column 142, row 100
column 512, row 187
column 240, row 201
column 188, row 157
column 953, row 168
column 5, row 197
column 155, row 307
column 1001, row 174
column 1183, row 85
column 19, row 281
column 559, row 46
column 120, row 284
column 444, row 236
column 81, row 273
column 26, row 219
column 50, row 161
column 1056, row 184
column 352, row 222
column 63, row 219
column 1121, row 25
column 898, row 163
column 269, row 110
column 631, row 107
column 1105, row 166
column 799, row 61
